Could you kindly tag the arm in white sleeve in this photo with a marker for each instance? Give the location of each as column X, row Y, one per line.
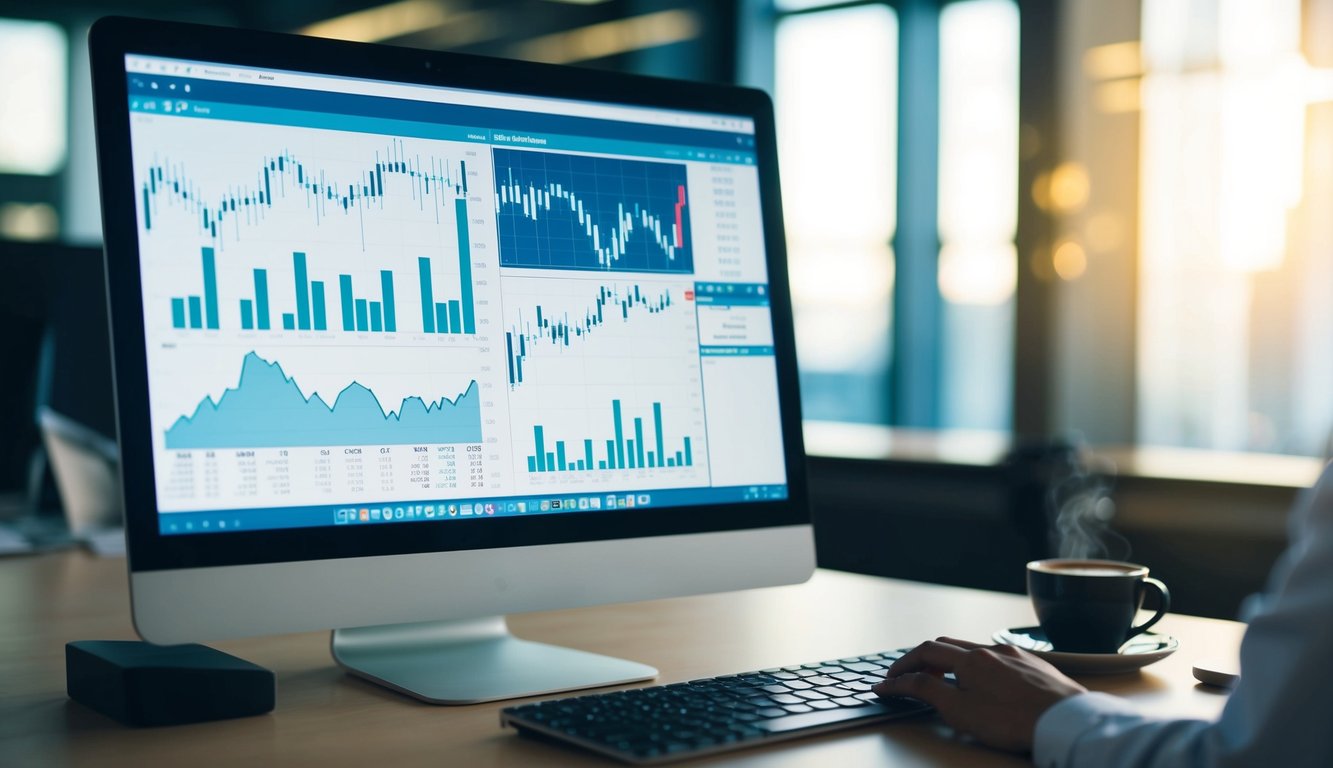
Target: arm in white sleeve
column 1281, row 712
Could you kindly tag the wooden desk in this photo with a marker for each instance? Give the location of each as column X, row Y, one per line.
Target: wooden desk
column 325, row 717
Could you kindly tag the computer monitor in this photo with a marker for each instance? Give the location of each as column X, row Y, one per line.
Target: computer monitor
column 54, row 338
column 406, row 341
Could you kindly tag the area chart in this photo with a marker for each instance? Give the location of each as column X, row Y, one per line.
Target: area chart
column 267, row 409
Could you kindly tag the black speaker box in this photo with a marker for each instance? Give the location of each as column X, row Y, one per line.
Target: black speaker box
column 143, row 684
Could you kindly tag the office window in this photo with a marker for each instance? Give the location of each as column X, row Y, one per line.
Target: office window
column 842, row 92
column 835, row 87
column 32, row 97
column 1235, row 345
column 978, row 210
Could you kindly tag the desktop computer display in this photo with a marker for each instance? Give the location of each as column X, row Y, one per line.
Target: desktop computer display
column 383, row 315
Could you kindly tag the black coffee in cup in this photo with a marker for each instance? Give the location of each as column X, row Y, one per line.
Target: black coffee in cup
column 1088, row 606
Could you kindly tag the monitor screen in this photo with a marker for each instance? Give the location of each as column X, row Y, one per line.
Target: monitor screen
column 369, row 303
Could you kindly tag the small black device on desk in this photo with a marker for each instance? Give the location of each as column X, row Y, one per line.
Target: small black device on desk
column 672, row 722
column 143, row 684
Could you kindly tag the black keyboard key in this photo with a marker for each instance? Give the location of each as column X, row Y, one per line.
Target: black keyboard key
column 811, row 695
column 833, row 690
column 849, row 701
column 771, row 712
column 798, row 685
column 864, row 667
column 776, row 689
column 846, row 676
column 811, row 720
column 824, row 704
column 821, row 680
column 786, row 698
column 797, row 709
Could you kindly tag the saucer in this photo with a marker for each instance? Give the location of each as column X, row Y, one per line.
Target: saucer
column 1140, row 651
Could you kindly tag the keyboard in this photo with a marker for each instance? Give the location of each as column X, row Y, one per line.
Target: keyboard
column 663, row 723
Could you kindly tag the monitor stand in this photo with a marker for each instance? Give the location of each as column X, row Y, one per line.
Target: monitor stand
column 467, row 662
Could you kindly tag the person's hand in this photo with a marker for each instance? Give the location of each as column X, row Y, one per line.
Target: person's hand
column 1000, row 694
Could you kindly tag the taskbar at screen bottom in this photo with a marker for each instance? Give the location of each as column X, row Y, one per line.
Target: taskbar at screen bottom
column 380, row 513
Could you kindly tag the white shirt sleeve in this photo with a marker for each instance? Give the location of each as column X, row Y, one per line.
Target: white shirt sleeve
column 1281, row 713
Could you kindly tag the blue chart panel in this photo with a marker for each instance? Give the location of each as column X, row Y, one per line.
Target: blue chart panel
column 557, row 211
column 558, row 330
column 267, row 409
column 434, row 180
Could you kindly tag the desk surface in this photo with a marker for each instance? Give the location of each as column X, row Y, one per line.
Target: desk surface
column 325, row 717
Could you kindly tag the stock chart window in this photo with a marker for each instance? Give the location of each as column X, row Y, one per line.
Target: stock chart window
column 371, row 302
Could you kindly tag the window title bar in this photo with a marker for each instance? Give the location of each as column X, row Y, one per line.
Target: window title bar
column 436, row 94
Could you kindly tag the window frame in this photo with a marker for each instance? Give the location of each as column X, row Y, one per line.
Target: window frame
column 912, row 395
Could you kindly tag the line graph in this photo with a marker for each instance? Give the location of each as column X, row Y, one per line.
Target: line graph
column 560, row 330
column 268, row 409
column 559, row 211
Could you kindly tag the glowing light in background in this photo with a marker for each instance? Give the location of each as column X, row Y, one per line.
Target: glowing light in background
column 32, row 97
column 978, row 210
column 1069, row 260
column 384, row 22
column 612, row 37
column 1063, row 190
column 836, row 83
column 1113, row 61
column 1236, row 304
column 28, row 221
column 978, row 204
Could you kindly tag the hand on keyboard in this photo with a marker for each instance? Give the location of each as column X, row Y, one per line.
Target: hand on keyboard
column 1000, row 691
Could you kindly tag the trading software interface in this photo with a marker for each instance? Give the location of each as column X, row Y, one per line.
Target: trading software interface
column 370, row 302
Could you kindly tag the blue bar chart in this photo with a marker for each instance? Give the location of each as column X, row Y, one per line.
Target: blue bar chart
column 637, row 442
column 254, row 312
column 199, row 312
column 358, row 312
column 558, row 211
column 452, row 315
column 367, row 315
column 268, row 409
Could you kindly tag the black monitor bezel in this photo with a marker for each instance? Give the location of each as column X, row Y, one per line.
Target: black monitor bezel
column 112, row 38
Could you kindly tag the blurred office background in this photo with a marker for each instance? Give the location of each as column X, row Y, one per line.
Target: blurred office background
column 1062, row 269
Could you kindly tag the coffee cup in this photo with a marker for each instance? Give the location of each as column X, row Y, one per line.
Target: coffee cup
column 1088, row 606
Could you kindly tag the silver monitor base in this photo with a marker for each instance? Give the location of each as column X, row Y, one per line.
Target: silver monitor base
column 468, row 662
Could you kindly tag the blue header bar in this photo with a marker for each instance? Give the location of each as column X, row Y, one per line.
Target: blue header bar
column 731, row 294
column 411, row 129
column 347, row 104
